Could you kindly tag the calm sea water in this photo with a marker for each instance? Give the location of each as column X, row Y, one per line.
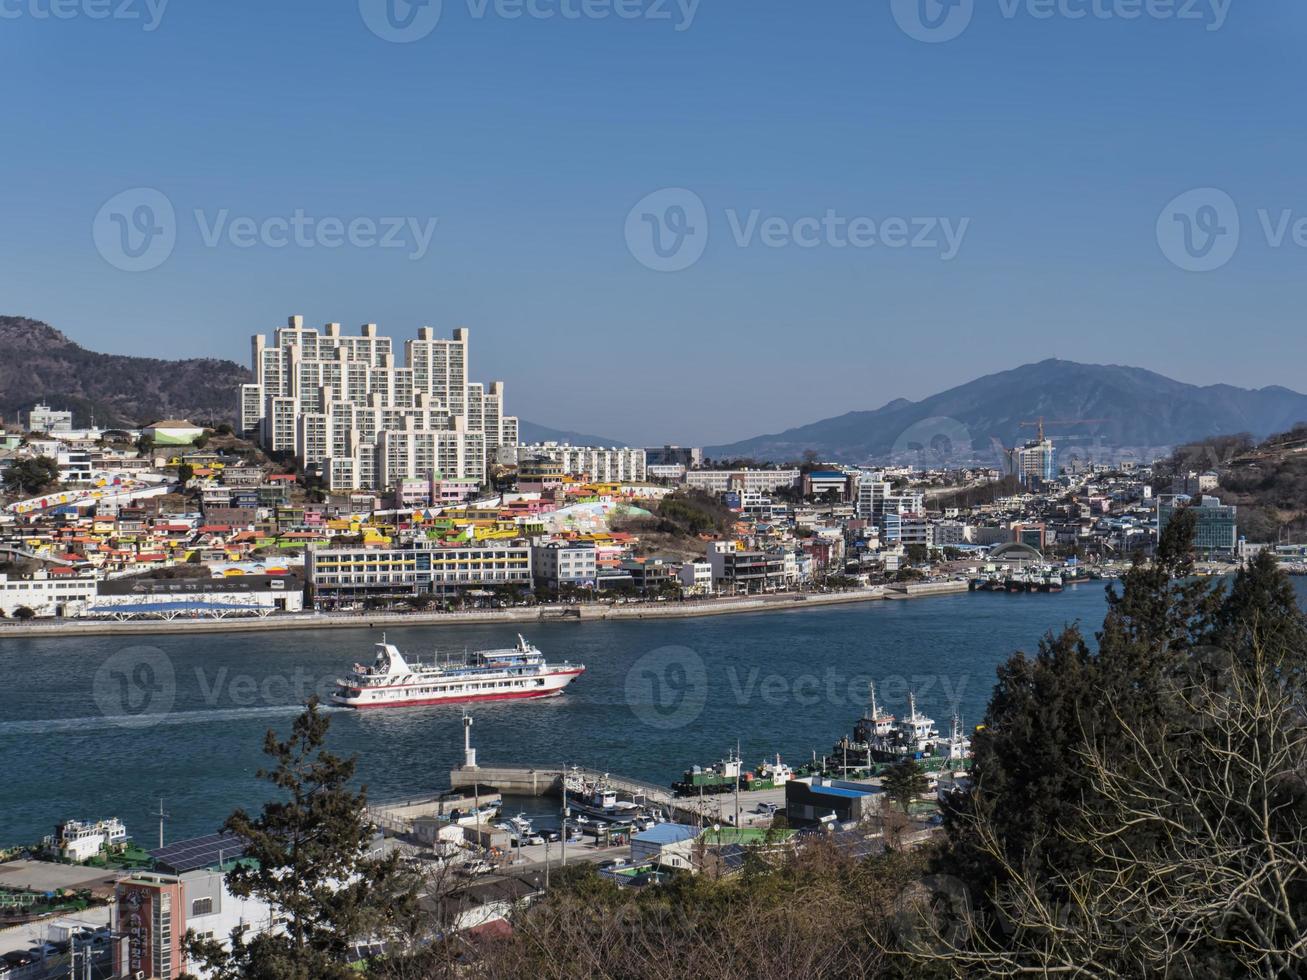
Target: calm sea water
column 104, row 726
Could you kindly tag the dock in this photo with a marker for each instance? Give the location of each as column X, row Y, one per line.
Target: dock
column 547, row 780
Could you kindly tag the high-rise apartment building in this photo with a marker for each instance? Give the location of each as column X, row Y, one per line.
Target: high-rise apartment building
column 1035, row 462
column 346, row 405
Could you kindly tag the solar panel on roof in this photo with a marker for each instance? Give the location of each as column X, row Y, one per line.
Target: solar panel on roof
column 199, row 852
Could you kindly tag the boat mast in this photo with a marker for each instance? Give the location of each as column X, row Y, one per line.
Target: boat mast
column 739, row 764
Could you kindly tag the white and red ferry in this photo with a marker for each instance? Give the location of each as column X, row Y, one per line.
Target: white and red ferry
column 487, row 675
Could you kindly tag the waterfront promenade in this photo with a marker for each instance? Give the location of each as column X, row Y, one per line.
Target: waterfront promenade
column 549, row 613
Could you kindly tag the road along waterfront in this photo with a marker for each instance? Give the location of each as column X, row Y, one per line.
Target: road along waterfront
column 580, row 612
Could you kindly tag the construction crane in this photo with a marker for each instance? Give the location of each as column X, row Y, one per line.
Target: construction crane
column 1040, row 422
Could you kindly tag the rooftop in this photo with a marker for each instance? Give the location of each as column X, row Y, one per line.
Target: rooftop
column 666, row 833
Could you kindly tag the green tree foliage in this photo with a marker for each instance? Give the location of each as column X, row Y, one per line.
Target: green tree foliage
column 918, row 554
column 1142, row 810
column 904, row 782
column 185, row 472
column 693, row 512
column 309, row 856
column 31, row 475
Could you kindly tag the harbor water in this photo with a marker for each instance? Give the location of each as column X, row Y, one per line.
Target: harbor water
column 102, row 726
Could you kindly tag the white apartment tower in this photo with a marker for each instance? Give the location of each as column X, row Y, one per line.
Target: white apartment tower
column 342, row 403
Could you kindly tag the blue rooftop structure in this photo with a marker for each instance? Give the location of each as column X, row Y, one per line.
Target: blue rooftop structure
column 841, row 791
column 666, row 833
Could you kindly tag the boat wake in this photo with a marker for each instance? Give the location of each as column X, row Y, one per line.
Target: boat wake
column 101, row 722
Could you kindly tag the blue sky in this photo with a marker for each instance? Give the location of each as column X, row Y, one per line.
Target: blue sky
column 1052, row 143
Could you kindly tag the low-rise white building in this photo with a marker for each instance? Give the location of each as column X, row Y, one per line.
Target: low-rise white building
column 46, row 593
column 696, row 577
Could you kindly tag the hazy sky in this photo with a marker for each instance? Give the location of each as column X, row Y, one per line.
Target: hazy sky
column 887, row 209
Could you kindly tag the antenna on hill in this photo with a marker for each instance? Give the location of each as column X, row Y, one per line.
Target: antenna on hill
column 162, row 816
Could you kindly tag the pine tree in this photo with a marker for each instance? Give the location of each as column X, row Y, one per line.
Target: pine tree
column 903, row 782
column 1025, row 771
column 309, row 856
column 1262, row 611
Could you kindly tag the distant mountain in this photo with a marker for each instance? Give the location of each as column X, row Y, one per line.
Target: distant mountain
column 41, row 364
column 1135, row 408
column 531, row 433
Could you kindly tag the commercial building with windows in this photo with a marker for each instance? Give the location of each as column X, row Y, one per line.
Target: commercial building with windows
column 347, row 406
column 757, row 481
column 600, row 465
column 560, row 563
column 745, row 571
column 154, row 910
column 1216, row 530
column 876, row 498
column 830, row 484
column 43, row 418
column 344, row 576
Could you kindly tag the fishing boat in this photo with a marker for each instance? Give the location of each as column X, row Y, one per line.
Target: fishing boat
column 880, row 737
column 598, row 800
column 487, row 675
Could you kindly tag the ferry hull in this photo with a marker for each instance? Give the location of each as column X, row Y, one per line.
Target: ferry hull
column 556, row 684
column 426, row 702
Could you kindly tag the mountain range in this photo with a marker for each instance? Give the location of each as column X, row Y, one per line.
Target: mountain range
column 1102, row 404
column 41, row 364
column 1110, row 405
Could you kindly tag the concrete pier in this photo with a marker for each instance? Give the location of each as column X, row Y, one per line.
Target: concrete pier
column 548, row 781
